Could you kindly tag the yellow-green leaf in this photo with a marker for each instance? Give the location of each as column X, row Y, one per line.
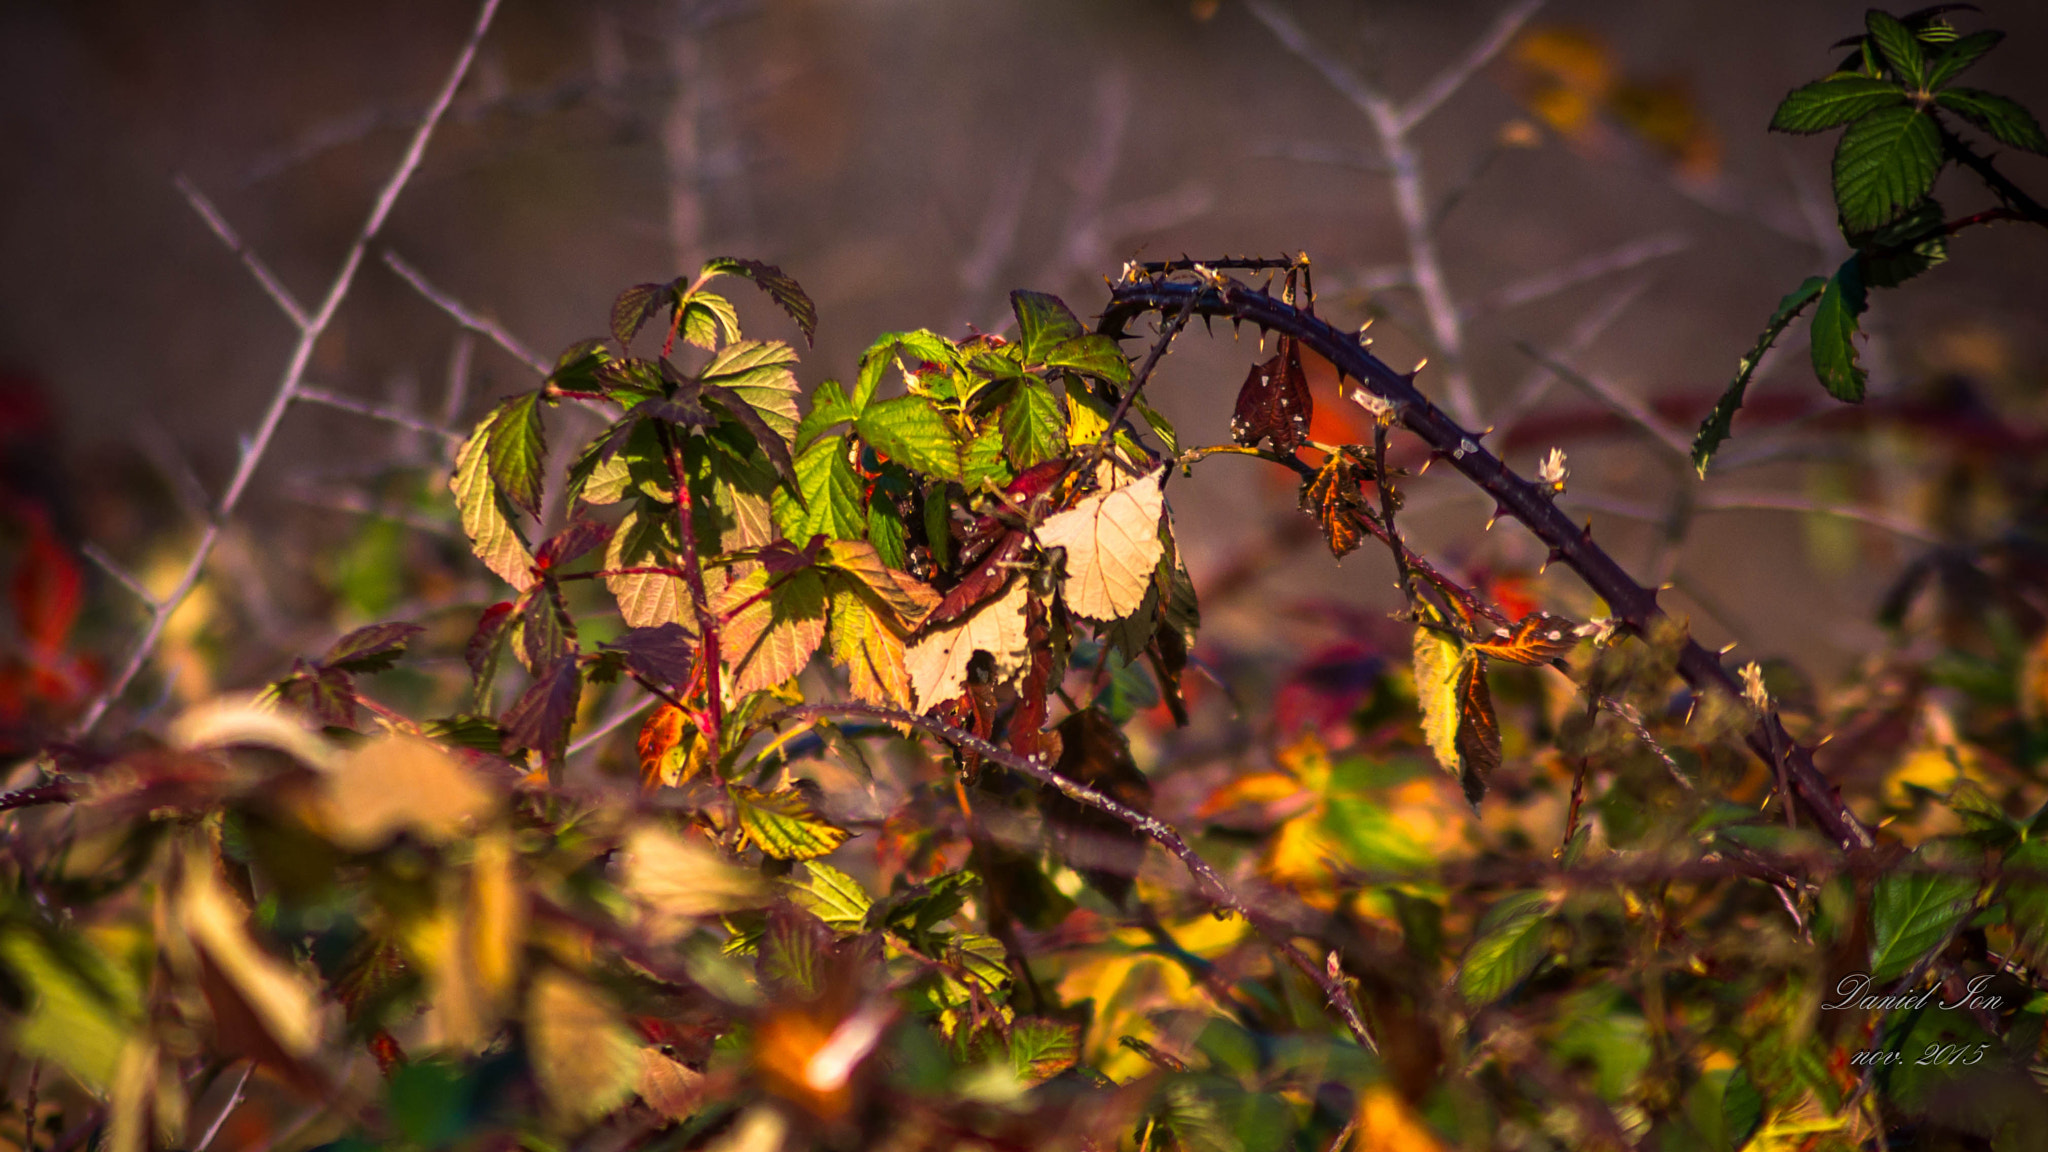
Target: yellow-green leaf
column 782, row 825
column 491, row 533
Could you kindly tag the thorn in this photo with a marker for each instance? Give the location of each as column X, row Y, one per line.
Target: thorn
column 1726, row 648
column 1556, row 554
column 1490, row 520
column 1665, row 586
column 1236, row 327
column 1367, row 324
column 1419, row 366
column 1210, row 328
column 1586, row 533
column 1425, row 465
column 1690, row 708
column 1824, row 740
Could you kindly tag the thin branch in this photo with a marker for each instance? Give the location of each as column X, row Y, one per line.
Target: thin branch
column 234, row 1102
column 1476, row 57
column 1590, row 328
column 111, row 567
column 481, row 325
column 1208, row 881
column 348, row 500
column 1137, row 384
column 314, row 326
column 279, row 294
column 1632, row 604
column 1621, row 402
column 1633, row 254
column 313, row 395
column 1331, row 154
column 1778, row 502
column 605, row 727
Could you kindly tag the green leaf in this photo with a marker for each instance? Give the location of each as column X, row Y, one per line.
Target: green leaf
column 2026, row 900
column 984, row 460
column 646, row 538
column 1906, row 247
column 1960, row 55
column 1043, row 323
column 1742, row 1109
column 1912, row 912
column 1720, row 423
column 1834, row 332
column 782, row 824
column 1092, row 354
column 1161, row 426
column 759, row 371
column 831, row 405
column 832, row 896
column 911, row 432
column 2006, row 120
column 1034, row 425
column 888, row 534
column 515, row 447
column 579, row 368
column 1041, row 1049
column 1897, row 44
column 927, row 346
column 485, row 519
column 1833, row 102
column 1885, row 163
column 706, row 317
column 783, row 289
column 1509, row 943
column 828, row 496
column 81, row 1011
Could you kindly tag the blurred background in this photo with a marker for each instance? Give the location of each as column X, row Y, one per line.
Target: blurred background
column 1599, row 193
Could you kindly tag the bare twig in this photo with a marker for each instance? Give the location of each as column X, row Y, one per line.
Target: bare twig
column 1637, row 412
column 1589, row 328
column 311, row 328
column 234, row 1102
column 1482, row 51
column 279, row 294
column 111, row 567
column 1208, row 881
column 606, row 727
column 481, row 325
column 314, row 395
column 1633, row 254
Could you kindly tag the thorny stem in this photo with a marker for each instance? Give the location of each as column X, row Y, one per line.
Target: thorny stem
column 311, row 328
column 1208, row 881
column 2012, row 194
column 1143, row 374
column 693, row 575
column 1632, row 604
column 1388, row 499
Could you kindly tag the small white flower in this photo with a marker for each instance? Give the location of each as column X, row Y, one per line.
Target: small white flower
column 1599, row 630
column 1209, row 276
column 1382, row 409
column 1553, row 471
column 1133, row 272
column 1753, row 687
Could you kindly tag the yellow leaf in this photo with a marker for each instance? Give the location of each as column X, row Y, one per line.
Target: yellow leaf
column 670, row 1088
column 937, row 663
column 646, row 599
column 496, row 923
column 782, row 824
column 1437, row 662
column 769, row 627
column 587, row 1060
column 864, row 644
column 677, row 881
column 277, row 999
column 396, row 784
column 672, row 750
column 219, row 723
column 491, row 535
column 1387, row 1124
column 1112, row 545
column 905, row 595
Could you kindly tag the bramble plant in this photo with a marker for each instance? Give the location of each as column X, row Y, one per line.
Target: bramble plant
column 888, row 878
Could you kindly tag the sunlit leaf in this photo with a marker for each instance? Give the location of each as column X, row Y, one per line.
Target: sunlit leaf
column 484, row 517
column 1274, row 403
column 760, row 372
column 1112, row 546
column 1034, row 425
column 646, row 539
column 910, row 431
column 1090, row 354
column 832, row 896
column 1041, row 1049
column 1044, row 322
column 866, row 644
column 781, row 288
column 782, row 824
column 677, row 881
column 769, row 626
column 938, row 661
column 586, row 1059
column 515, row 450
column 247, row 987
column 395, row 784
column 1535, row 639
column 828, row 495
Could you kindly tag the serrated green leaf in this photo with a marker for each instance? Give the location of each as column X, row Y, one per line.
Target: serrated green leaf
column 2007, row 121
column 706, row 317
column 2026, row 900
column 516, row 447
column 927, row 346
column 780, row 287
column 1885, row 163
column 1906, row 247
column 1835, row 328
column 1833, row 102
column 832, row 896
column 1510, row 941
column 1912, row 912
column 760, row 372
column 911, row 432
column 1720, row 423
column 646, row 539
column 828, row 496
column 82, row 1011
column 579, row 368
column 831, row 405
column 492, row 535
column 782, row 824
column 1091, row 354
column 1897, row 44
column 1041, row 1049
column 1034, row 425
column 983, row 461
column 1043, row 323
column 1963, row 52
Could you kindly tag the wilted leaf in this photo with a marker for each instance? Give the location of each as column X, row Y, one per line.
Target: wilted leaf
column 1512, row 938
column 372, row 649
column 672, row 1089
column 586, row 1059
column 782, row 824
column 938, row 661
column 1535, row 639
column 1112, row 546
column 671, row 750
column 484, row 520
column 1332, row 496
column 1437, row 663
column 394, row 784
column 1274, row 403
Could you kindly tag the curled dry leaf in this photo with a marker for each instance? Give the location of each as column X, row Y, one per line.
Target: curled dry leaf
column 669, row 1087
column 938, row 662
column 1112, row 545
column 396, row 784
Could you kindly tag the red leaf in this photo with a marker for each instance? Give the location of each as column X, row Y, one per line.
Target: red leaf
column 48, row 589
